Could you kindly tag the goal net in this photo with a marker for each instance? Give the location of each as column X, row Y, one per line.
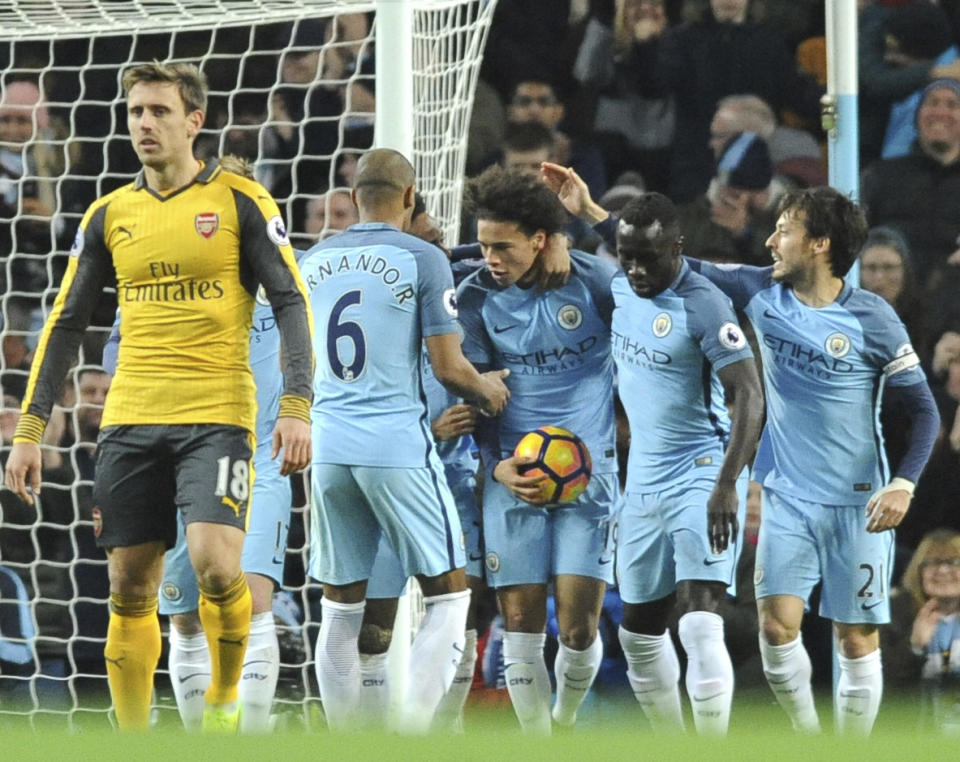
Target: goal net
column 293, row 87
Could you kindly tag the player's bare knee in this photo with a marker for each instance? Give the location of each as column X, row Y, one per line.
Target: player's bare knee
column 776, row 632
column 856, row 640
column 216, row 578
column 374, row 639
column 578, row 637
column 187, row 624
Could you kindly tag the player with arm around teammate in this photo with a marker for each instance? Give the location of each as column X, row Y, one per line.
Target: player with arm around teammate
column 378, row 294
column 830, row 353
column 187, row 245
column 556, row 345
column 681, row 360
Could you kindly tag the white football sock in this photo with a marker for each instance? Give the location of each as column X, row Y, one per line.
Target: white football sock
column 338, row 662
column 788, row 672
column 189, row 664
column 653, row 670
column 449, row 714
column 709, row 671
column 575, row 672
column 528, row 681
column 374, row 691
column 858, row 693
column 434, row 657
column 261, row 668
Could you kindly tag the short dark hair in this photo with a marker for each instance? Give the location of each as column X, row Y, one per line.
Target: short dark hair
column 827, row 213
column 650, row 207
column 511, row 195
column 190, row 82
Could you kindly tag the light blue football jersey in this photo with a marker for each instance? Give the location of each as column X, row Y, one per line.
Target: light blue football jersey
column 824, row 371
column 458, row 455
column 265, row 364
column 557, row 347
column 376, row 294
column 667, row 350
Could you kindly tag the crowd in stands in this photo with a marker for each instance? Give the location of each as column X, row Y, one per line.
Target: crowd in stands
column 712, row 102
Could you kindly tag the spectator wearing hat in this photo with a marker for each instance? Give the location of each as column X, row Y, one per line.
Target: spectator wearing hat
column 916, row 193
column 732, row 220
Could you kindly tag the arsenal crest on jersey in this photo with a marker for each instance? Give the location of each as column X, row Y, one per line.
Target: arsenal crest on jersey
column 207, row 223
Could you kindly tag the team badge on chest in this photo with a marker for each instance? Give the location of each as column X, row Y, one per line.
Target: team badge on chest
column 207, row 223
column 569, row 317
column 837, row 344
column 662, row 324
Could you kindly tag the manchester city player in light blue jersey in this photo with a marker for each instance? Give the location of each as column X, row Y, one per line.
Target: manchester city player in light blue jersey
column 556, row 345
column 682, row 360
column 379, row 293
column 830, row 354
column 264, row 547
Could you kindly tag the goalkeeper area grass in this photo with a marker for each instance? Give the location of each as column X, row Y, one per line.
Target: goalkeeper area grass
column 759, row 730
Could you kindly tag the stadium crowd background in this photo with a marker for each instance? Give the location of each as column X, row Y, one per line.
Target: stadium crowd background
column 634, row 94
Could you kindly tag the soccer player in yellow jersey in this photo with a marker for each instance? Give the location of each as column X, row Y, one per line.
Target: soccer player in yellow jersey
column 188, row 245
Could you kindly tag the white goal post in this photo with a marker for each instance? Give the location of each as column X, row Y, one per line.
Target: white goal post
column 292, row 88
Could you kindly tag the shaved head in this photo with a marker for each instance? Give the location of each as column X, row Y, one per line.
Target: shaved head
column 383, row 175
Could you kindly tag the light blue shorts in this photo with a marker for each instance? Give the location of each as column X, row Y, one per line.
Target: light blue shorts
column 264, row 547
column 353, row 506
column 802, row 543
column 530, row 545
column 387, row 579
column 662, row 539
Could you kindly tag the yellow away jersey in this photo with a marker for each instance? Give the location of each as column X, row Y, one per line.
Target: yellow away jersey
column 187, row 266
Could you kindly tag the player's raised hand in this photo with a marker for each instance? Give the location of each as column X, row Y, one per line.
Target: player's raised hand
column 572, row 191
column 22, row 474
column 454, row 422
column 722, row 523
column 527, row 488
column 888, row 505
column 928, row 617
column 495, row 392
column 291, row 436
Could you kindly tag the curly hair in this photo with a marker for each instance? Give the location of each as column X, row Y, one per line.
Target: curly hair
column 189, row 80
column 827, row 213
column 511, row 195
column 648, row 208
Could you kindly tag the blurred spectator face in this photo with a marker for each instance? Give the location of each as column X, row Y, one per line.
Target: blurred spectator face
column 940, row 572
column 535, row 102
column 635, row 11
column 93, row 386
column 16, row 113
column 300, row 67
column 528, row 161
column 729, row 11
column 881, row 271
column 321, row 223
column 724, row 126
column 938, row 120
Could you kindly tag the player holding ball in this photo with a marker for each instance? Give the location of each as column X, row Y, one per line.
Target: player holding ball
column 556, row 344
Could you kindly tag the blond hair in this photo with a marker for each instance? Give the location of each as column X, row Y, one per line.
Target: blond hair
column 940, row 543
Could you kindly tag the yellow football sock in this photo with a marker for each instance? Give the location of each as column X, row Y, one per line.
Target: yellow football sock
column 226, row 620
column 132, row 652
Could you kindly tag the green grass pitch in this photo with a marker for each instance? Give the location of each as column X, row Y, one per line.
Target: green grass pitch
column 610, row 730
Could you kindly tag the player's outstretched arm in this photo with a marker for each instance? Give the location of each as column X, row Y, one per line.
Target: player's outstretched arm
column 742, row 392
column 458, row 375
column 291, row 436
column 572, row 192
column 22, row 473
